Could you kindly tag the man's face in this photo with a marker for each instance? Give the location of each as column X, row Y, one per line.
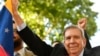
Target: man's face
column 73, row 41
column 15, row 34
column 17, row 40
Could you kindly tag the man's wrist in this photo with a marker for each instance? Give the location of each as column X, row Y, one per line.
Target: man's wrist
column 21, row 27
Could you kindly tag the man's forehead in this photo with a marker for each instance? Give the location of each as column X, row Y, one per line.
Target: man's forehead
column 73, row 32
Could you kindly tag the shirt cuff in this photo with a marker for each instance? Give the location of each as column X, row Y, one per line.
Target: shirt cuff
column 21, row 27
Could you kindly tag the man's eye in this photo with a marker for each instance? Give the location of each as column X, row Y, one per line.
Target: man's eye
column 77, row 37
column 67, row 38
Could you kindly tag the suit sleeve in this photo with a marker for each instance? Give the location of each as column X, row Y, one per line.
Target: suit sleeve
column 37, row 46
column 88, row 45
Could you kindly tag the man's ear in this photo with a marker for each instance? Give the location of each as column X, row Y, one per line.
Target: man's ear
column 84, row 41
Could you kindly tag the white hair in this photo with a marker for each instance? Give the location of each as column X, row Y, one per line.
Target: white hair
column 76, row 27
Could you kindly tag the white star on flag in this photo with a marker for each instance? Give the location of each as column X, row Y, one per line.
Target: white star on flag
column 6, row 30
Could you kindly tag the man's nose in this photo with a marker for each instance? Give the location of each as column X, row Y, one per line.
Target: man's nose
column 72, row 40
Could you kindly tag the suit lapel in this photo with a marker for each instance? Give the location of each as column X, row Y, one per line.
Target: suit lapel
column 86, row 52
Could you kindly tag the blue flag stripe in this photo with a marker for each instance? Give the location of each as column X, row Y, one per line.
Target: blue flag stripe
column 6, row 31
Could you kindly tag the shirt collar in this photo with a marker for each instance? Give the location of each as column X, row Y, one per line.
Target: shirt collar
column 21, row 52
column 81, row 54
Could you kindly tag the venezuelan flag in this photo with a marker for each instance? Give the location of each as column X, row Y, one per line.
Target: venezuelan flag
column 6, row 29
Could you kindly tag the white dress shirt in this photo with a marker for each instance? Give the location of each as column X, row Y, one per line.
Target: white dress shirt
column 21, row 52
column 21, row 27
column 81, row 54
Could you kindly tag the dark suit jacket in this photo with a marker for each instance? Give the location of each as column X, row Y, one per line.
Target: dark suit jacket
column 39, row 47
column 88, row 45
column 95, row 51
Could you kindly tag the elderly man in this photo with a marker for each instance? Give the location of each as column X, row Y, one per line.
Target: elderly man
column 74, row 41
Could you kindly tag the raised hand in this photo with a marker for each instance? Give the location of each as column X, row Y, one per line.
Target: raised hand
column 82, row 23
column 18, row 20
column 15, row 4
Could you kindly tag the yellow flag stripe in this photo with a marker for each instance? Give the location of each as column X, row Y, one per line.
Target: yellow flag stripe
column 8, row 5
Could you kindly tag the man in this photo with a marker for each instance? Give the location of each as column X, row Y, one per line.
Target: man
column 39, row 47
column 18, row 45
column 19, row 49
column 74, row 41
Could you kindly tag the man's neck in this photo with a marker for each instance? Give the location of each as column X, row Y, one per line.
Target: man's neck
column 18, row 48
column 78, row 54
column 74, row 55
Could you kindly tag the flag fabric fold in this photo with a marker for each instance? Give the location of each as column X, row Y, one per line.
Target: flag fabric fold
column 6, row 32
